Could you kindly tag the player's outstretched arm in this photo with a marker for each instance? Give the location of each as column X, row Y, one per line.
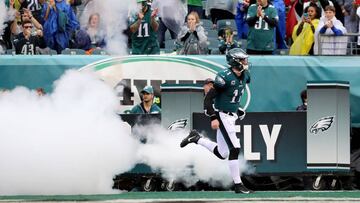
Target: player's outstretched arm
column 209, row 104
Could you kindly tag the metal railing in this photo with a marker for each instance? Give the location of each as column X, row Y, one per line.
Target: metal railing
column 346, row 44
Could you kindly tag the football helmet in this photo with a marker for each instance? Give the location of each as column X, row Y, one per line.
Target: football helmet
column 237, row 58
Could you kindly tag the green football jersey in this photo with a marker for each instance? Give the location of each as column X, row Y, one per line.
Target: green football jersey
column 144, row 40
column 195, row 2
column 230, row 89
column 261, row 36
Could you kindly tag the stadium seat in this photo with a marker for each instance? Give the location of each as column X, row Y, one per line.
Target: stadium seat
column 73, row 52
column 282, row 52
column 207, row 24
column 242, row 43
column 167, row 35
column 10, row 52
column 221, row 24
column 45, row 51
column 215, row 51
column 213, row 44
column 99, row 52
column 170, row 44
column 211, row 33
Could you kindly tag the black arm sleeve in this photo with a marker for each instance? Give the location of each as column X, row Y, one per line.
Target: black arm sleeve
column 41, row 42
column 208, row 103
column 252, row 20
column 271, row 21
column 185, row 37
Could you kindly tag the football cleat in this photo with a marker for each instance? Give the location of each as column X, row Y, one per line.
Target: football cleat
column 193, row 137
column 240, row 188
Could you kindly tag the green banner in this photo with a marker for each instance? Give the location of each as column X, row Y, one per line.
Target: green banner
column 276, row 80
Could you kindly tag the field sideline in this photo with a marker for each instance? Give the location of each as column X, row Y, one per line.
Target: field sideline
column 204, row 196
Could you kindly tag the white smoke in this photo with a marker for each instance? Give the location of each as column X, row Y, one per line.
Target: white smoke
column 113, row 15
column 69, row 142
column 172, row 13
column 72, row 142
column 187, row 165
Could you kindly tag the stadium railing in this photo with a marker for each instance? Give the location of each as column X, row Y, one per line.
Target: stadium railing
column 338, row 45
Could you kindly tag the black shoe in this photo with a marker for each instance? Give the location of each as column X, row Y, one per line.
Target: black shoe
column 240, row 188
column 193, row 136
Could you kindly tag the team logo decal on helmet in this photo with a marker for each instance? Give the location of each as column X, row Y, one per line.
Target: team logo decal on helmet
column 237, row 58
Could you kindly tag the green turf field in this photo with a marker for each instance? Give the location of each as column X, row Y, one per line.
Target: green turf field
column 176, row 196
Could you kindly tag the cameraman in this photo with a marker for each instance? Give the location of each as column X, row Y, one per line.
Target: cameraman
column 27, row 41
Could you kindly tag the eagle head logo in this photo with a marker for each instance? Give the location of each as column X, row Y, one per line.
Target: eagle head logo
column 322, row 124
column 178, row 124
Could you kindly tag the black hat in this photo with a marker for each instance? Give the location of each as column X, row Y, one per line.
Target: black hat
column 208, row 80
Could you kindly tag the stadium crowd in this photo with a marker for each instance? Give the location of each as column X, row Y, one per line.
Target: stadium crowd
column 295, row 27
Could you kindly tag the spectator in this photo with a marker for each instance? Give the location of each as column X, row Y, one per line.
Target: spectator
column 240, row 18
column 192, row 39
column 262, row 19
column 96, row 34
column 6, row 40
column 82, row 41
column 331, row 28
column 195, row 5
column 144, row 27
column 40, row 91
column 27, row 41
column 147, row 105
column 221, row 9
column 59, row 24
column 74, row 4
column 301, row 5
column 24, row 15
column 303, row 34
column 303, row 106
column 171, row 16
column 226, row 40
column 280, row 28
column 35, row 6
column 351, row 21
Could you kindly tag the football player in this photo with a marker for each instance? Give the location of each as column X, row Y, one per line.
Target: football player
column 229, row 85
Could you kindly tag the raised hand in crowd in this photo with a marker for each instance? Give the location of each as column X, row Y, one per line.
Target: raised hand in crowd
column 140, row 15
column 329, row 24
column 260, row 11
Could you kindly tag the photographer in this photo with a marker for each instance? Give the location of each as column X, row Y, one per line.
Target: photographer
column 27, row 41
column 24, row 15
column 303, row 33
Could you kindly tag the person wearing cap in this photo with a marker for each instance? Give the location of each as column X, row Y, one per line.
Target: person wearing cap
column 222, row 105
column 147, row 106
column 208, row 84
